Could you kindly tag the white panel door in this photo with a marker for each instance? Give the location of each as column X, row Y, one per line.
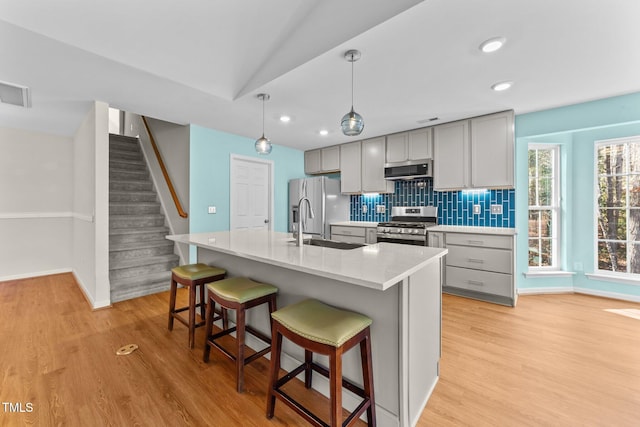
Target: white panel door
column 251, row 192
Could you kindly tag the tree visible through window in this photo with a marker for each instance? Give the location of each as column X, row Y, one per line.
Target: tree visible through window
column 618, row 217
column 544, row 206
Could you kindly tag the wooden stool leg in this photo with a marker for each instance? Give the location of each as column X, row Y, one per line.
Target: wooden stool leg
column 240, row 319
column 367, row 376
column 335, row 388
column 172, row 302
column 203, row 302
column 276, row 348
column 308, row 372
column 208, row 329
column 192, row 314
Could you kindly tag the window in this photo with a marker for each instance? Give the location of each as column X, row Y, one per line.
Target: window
column 618, row 205
column 544, row 206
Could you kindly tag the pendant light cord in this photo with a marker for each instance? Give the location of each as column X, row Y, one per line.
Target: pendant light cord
column 352, row 81
column 263, row 116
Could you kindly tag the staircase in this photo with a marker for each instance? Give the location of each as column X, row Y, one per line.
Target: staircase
column 140, row 258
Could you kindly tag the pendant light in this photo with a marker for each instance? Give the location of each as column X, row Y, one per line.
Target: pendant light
column 352, row 123
column 263, row 145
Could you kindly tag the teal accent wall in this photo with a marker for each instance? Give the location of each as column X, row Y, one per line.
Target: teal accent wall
column 575, row 128
column 209, row 177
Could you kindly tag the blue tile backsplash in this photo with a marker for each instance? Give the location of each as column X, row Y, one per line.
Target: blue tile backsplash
column 454, row 207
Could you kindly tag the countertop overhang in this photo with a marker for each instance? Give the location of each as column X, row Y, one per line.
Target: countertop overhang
column 377, row 266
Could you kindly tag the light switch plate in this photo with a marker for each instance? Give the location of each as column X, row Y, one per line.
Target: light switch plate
column 364, row 209
column 496, row 209
column 212, row 209
column 476, row 209
column 381, row 209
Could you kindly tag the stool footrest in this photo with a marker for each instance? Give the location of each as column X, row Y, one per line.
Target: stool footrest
column 212, row 341
column 300, row 409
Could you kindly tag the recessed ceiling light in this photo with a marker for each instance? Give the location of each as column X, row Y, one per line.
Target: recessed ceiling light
column 493, row 44
column 324, row 132
column 499, row 87
column 285, row 119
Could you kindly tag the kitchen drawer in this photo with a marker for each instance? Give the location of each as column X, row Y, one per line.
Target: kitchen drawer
column 480, row 281
column 487, row 259
column 480, row 240
column 348, row 231
column 348, row 239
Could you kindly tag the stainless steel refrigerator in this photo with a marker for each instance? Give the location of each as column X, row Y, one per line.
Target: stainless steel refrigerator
column 328, row 204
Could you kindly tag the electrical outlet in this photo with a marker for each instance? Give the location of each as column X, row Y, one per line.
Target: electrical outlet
column 381, row 209
column 476, row 209
column 212, row 209
column 364, row 209
column 496, row 209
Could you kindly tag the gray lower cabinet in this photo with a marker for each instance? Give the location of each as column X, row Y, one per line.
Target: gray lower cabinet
column 353, row 234
column 481, row 266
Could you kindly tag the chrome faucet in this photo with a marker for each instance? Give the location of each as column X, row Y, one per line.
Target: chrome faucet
column 299, row 240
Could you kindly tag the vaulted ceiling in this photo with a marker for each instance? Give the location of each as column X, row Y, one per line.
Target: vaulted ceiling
column 204, row 61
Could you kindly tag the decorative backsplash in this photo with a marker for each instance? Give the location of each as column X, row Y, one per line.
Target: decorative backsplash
column 454, row 207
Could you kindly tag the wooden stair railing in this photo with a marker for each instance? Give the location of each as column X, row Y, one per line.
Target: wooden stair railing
column 174, row 196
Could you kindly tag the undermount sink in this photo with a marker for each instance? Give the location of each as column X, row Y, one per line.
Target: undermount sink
column 332, row 244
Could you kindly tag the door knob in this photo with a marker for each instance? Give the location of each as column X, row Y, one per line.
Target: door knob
column 266, row 221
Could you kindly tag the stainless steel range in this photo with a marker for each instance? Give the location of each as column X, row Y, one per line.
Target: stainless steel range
column 408, row 225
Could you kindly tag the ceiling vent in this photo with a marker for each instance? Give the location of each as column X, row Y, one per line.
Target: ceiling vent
column 15, row 94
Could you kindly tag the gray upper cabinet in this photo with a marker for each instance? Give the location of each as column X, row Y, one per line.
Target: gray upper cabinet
column 373, row 159
column 350, row 167
column 413, row 145
column 474, row 153
column 362, row 167
column 492, row 151
column 322, row 160
column 451, row 156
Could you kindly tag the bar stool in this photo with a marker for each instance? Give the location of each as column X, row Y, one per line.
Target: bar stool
column 320, row 328
column 191, row 276
column 239, row 294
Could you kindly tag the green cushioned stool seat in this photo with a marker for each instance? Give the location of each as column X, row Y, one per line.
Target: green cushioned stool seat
column 239, row 294
column 320, row 322
column 196, row 271
column 325, row 330
column 194, row 277
column 241, row 289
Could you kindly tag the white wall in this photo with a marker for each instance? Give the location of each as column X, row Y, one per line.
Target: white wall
column 91, row 207
column 36, row 172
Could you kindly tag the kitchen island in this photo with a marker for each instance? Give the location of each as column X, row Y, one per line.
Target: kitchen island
column 397, row 286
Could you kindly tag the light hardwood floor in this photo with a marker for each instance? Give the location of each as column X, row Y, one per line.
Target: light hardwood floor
column 556, row 360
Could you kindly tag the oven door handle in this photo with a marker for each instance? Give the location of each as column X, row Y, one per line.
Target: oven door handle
column 401, row 236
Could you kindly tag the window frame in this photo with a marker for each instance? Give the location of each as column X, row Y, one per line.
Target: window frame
column 632, row 277
column 556, row 208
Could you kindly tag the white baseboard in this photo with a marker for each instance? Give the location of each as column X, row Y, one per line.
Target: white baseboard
column 95, row 305
column 574, row 290
column 546, row 290
column 35, row 274
column 605, row 294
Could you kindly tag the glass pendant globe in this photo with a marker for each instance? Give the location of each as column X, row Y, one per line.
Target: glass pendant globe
column 263, row 145
column 352, row 123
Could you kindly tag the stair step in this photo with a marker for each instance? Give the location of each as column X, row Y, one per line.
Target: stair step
column 128, row 175
column 115, row 154
column 141, row 266
column 127, row 164
column 131, row 251
column 132, row 196
column 123, row 143
column 138, row 208
column 128, row 185
column 137, row 235
column 135, row 221
column 124, row 289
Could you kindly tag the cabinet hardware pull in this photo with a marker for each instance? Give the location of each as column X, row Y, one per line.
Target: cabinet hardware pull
column 475, row 242
column 474, row 282
column 477, row 261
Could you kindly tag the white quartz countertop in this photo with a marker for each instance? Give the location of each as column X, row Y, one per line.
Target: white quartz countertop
column 501, row 231
column 378, row 266
column 366, row 224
